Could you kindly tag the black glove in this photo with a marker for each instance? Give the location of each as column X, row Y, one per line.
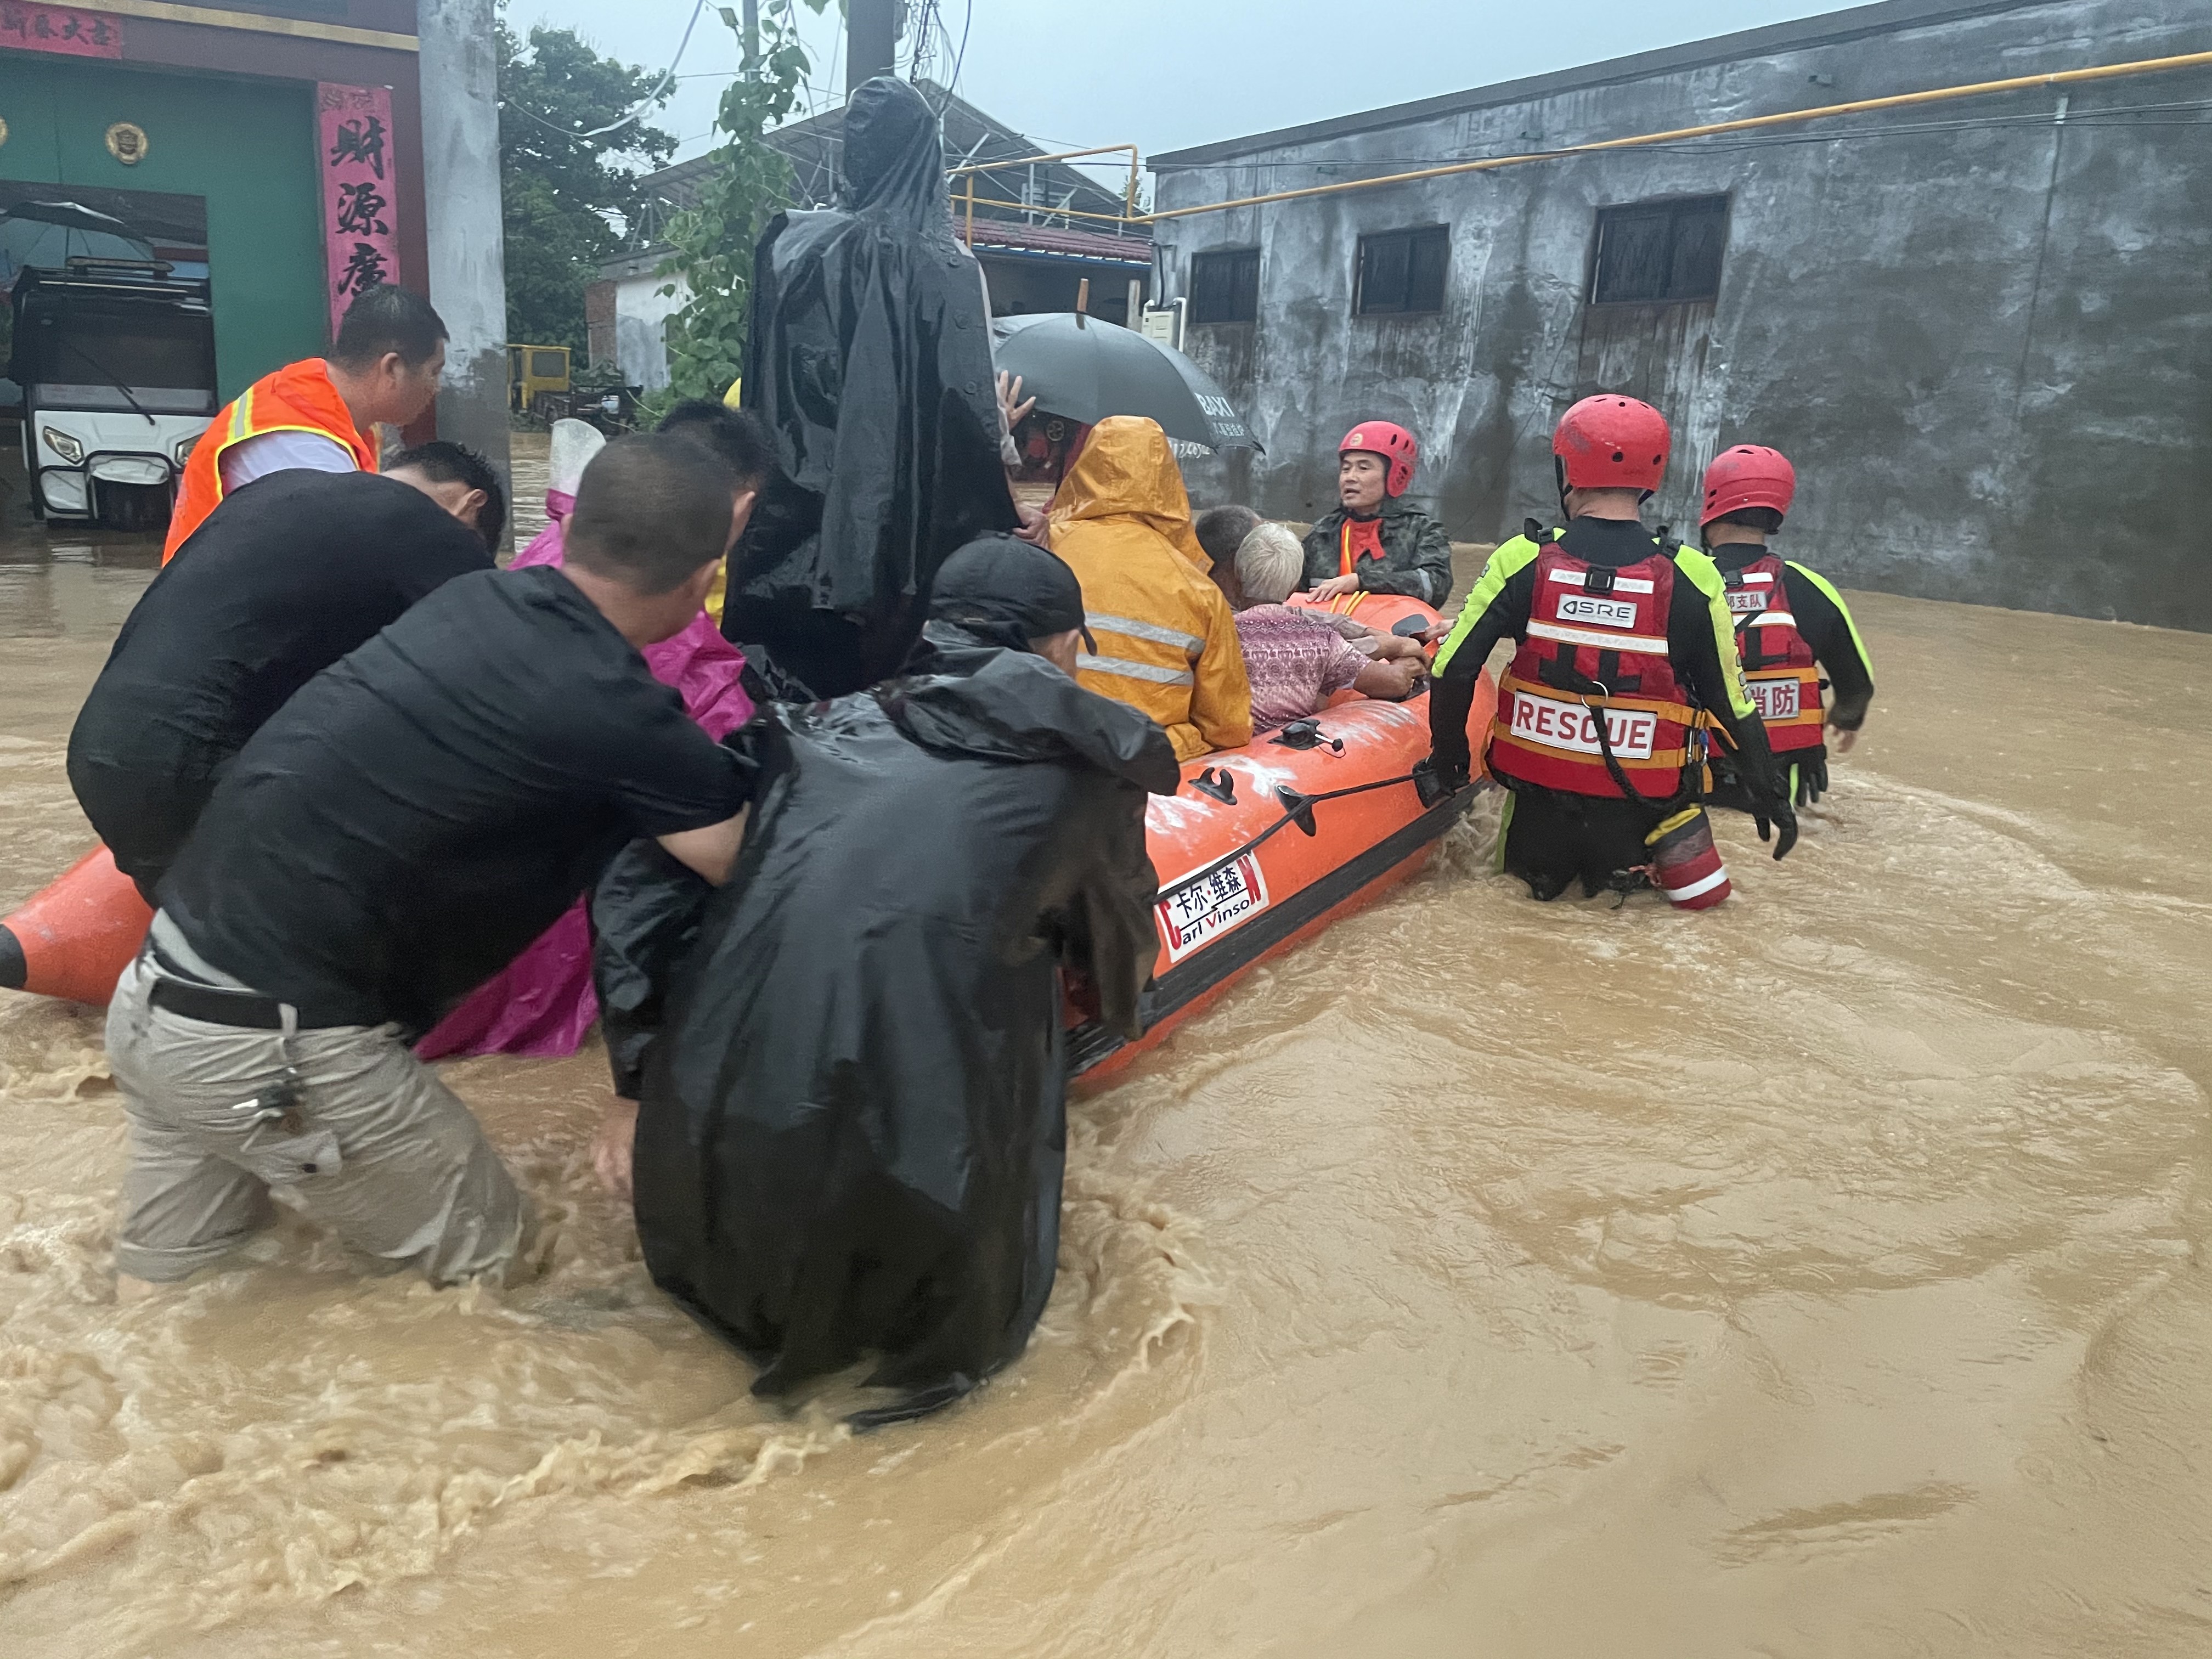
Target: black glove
column 1433, row 785
column 1774, row 810
column 1812, row 779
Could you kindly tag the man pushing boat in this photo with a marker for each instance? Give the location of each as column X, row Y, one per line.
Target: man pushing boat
column 410, row 819
column 850, row 1131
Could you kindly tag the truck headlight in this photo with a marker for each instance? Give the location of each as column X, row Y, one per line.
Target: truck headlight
column 182, row 449
column 62, row 445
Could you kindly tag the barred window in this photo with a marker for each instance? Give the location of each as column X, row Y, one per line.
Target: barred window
column 1402, row 271
column 1224, row 288
column 1659, row 252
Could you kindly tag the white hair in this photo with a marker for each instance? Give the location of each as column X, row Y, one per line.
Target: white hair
column 1270, row 562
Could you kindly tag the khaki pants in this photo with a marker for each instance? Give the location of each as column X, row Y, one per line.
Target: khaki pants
column 379, row 1151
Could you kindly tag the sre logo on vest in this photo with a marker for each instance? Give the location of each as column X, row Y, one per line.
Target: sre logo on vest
column 1610, row 613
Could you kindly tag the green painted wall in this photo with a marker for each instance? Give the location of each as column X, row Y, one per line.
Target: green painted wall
column 246, row 146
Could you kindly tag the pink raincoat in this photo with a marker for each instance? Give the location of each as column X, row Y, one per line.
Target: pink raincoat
column 543, row 1003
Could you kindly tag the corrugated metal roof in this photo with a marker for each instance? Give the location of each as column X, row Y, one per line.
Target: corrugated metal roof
column 971, row 136
column 1052, row 239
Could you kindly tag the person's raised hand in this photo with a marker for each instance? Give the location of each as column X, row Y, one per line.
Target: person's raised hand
column 611, row 1144
column 1334, row 588
column 1844, row 739
column 1009, row 400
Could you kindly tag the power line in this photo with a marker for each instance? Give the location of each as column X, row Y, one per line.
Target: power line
column 960, row 58
column 651, row 98
column 669, row 75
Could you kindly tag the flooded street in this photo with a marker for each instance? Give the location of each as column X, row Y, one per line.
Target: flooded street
column 1822, row 1275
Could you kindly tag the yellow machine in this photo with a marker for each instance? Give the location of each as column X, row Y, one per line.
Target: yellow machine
column 533, row 370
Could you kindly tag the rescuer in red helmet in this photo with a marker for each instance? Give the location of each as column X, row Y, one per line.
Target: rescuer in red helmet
column 1374, row 542
column 1790, row 625
column 1627, row 657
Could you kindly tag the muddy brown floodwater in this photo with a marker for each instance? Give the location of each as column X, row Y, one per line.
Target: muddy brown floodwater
column 1823, row 1275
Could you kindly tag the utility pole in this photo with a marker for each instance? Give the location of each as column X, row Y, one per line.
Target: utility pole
column 872, row 30
column 752, row 38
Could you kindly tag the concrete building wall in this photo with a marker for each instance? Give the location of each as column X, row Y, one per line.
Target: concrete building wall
column 1983, row 332
column 467, row 243
column 641, row 311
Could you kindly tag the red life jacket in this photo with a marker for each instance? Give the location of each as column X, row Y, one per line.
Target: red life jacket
column 1597, row 645
column 1360, row 538
column 1777, row 665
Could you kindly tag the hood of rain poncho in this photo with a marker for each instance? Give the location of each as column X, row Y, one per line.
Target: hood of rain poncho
column 850, row 1130
column 869, row 359
column 1128, row 470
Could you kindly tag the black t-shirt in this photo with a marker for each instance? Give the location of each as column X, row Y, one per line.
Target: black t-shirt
column 284, row 577
column 421, row 811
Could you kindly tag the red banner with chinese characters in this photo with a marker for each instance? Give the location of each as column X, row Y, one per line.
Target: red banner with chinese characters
column 60, row 29
column 360, row 242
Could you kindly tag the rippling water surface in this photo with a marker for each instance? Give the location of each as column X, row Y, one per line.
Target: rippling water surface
column 1822, row 1275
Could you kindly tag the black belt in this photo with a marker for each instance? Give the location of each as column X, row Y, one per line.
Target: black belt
column 249, row 1009
column 179, row 993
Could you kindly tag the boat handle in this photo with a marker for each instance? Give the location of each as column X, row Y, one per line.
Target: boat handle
column 1218, row 782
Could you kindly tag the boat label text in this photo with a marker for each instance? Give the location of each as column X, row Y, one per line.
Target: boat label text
column 1200, row 909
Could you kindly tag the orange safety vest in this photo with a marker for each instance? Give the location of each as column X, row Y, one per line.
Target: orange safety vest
column 297, row 398
column 1596, row 649
column 1778, row 667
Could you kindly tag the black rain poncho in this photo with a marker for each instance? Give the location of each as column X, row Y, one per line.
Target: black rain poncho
column 851, row 1124
column 869, row 359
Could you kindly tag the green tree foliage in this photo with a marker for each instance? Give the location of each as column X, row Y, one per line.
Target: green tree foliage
column 751, row 180
column 563, row 192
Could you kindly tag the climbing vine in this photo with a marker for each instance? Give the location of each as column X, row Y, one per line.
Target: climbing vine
column 751, row 180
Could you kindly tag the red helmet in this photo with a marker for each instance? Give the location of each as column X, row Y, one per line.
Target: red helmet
column 1610, row 442
column 1393, row 443
column 1749, row 475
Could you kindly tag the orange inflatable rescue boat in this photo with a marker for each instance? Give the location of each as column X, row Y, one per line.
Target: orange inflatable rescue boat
column 74, row 939
column 1265, row 846
column 1261, row 848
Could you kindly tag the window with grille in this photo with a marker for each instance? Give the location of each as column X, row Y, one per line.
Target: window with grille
column 1659, row 252
column 1224, row 288
column 1402, row 271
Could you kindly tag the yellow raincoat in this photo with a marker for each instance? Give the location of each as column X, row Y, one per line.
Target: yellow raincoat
column 1167, row 641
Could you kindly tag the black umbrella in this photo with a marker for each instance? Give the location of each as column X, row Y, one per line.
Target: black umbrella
column 1085, row 370
column 73, row 214
column 48, row 232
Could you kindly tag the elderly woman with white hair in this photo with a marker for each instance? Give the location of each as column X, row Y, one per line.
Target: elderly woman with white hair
column 1295, row 659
